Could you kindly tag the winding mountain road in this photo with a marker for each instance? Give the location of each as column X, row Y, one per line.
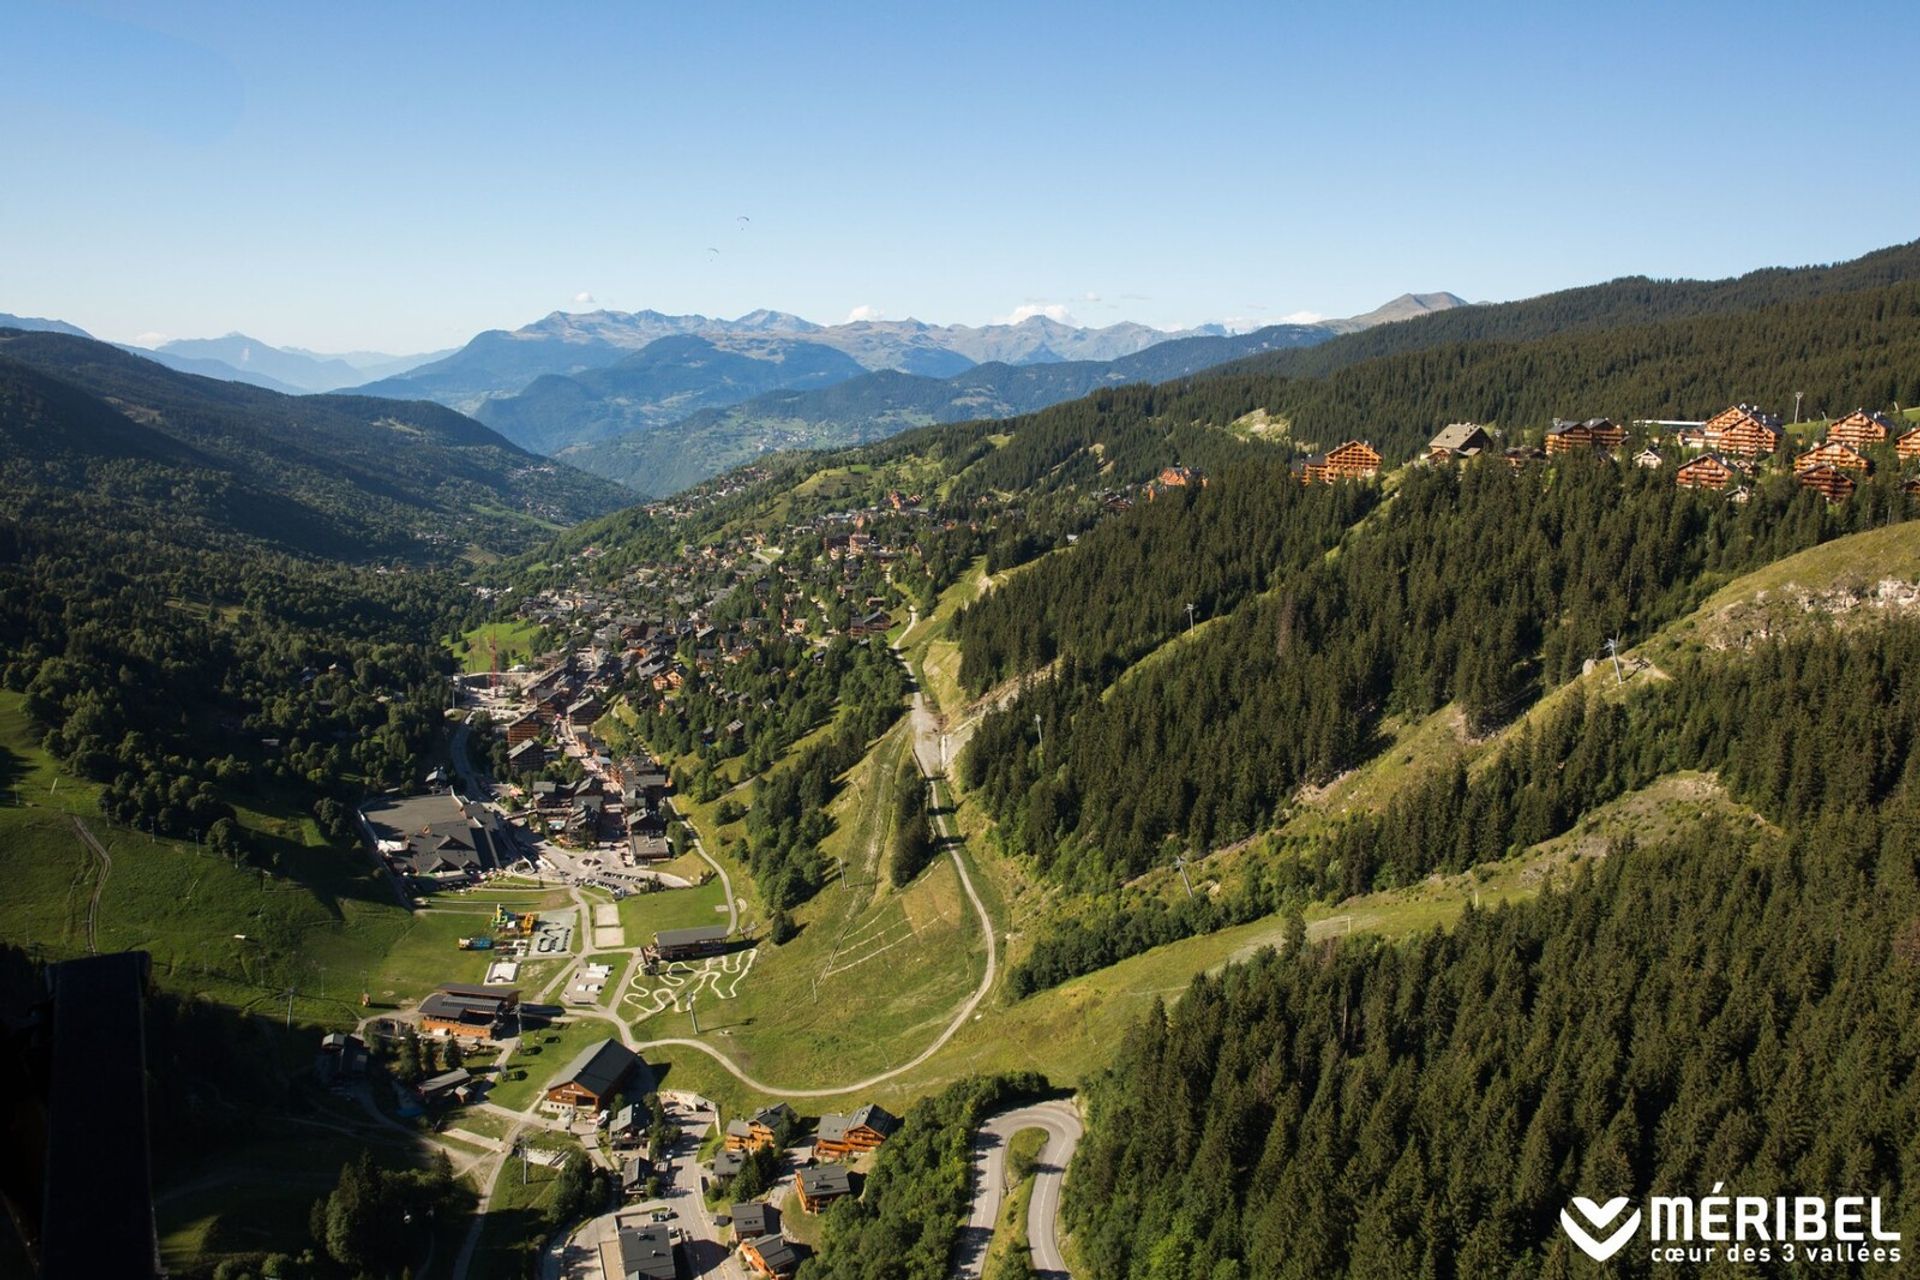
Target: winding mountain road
column 1061, row 1123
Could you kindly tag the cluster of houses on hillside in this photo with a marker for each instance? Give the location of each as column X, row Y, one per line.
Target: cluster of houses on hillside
column 1719, row 454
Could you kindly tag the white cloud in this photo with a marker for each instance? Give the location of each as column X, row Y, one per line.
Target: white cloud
column 865, row 311
column 583, row 299
column 150, row 340
column 1302, row 317
column 1055, row 311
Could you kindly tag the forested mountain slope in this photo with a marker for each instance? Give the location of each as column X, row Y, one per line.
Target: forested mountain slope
column 343, row 476
column 1630, row 302
column 1377, row 1110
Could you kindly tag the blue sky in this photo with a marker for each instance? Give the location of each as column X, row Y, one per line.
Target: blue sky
column 398, row 177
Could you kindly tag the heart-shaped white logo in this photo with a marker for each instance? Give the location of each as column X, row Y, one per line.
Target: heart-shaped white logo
column 1601, row 1216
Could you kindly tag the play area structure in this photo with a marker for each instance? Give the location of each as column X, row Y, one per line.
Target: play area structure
column 510, row 925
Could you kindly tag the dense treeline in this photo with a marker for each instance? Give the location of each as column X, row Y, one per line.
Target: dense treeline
column 1127, row 584
column 907, row 1218
column 1766, row 723
column 177, row 675
column 789, row 818
column 911, row 846
column 1478, row 585
column 329, row 475
column 1706, row 1013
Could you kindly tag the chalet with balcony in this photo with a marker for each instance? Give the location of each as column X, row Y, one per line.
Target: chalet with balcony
column 864, row 1130
column 821, row 1185
column 1830, row 482
column 1568, row 436
column 469, row 1012
column 689, row 944
column 1862, row 429
column 1907, row 445
column 1743, row 431
column 1708, row 471
column 761, row 1129
column 589, row 1082
column 1834, row 453
column 1354, row 460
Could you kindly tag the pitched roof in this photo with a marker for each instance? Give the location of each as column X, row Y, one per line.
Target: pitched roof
column 1458, row 435
column 754, row 1218
column 876, row 1118
column 777, row 1254
column 599, row 1068
column 706, row 933
column 825, row 1180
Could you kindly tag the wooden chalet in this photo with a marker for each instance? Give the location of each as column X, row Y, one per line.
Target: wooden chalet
column 523, row 729
column 635, row 1173
column 864, row 1130
column 754, row 1218
column 456, row 1084
column 770, row 1256
column 1907, row 445
column 1524, row 455
column 876, row 623
column 688, row 944
column 1708, row 471
column 821, row 1185
column 1649, row 458
column 1862, row 429
column 1834, row 453
column 469, row 1012
column 1830, row 482
column 1459, row 440
column 1566, row 436
column 761, row 1129
column 1354, row 460
column 588, row 1083
column 1911, row 487
column 1180, row 478
column 1743, row 431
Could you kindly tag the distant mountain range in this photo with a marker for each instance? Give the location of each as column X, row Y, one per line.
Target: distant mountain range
column 661, row 401
column 501, row 363
column 666, row 456
column 351, row 477
column 239, row 358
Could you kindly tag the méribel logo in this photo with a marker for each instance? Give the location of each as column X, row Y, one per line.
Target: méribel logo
column 1601, row 1218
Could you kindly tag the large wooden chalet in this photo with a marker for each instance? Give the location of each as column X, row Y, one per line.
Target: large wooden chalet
column 821, row 1185
column 1830, row 482
column 469, row 1012
column 1566, row 436
column 588, row 1084
column 1459, row 440
column 1862, row 429
column 1708, row 471
column 1907, row 447
column 761, row 1129
column 1834, row 453
column 864, row 1130
column 1354, row 460
column 688, row 944
column 1743, row 431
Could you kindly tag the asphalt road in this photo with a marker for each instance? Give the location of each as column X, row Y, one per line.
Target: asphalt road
column 989, row 1179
